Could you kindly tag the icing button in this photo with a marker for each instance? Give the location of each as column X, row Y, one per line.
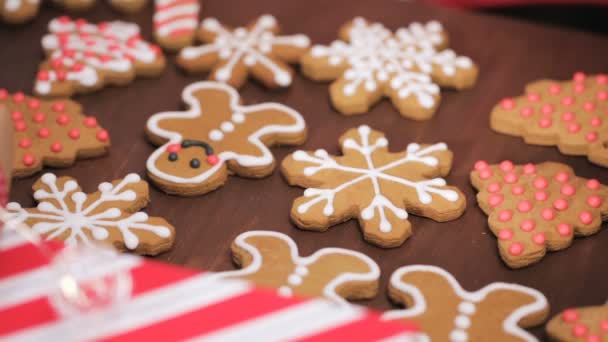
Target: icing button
column 216, row 135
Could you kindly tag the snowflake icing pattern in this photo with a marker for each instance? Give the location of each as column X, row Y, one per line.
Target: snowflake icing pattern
column 405, row 66
column 110, row 215
column 374, row 185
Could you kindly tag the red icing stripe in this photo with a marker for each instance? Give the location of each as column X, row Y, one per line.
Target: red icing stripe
column 158, row 24
column 174, row 4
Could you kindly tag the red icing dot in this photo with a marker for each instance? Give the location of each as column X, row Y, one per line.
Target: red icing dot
column 547, row 109
column 555, row 89
column 585, row 217
column 76, row 67
column 61, row 75
column 568, row 190
column 570, row 316
column 562, row 177
column 533, row 97
column 506, row 165
column 579, row 88
column 579, row 76
column 540, row 183
column 20, row 126
column 593, row 338
column 529, row 169
column 604, row 325
column 596, row 121
column 568, row 116
column 495, row 200
column 58, row 106
column 524, row 206
column 174, row 148
column 18, row 97
column 589, row 106
column 594, row 201
column 540, row 196
column 43, row 75
column 103, row 135
column 567, row 100
column 63, row 119
column 74, row 133
column 505, row 234
column 480, row 165
column 56, row 147
column 526, row 112
column 44, row 132
column 593, row 184
column 213, row 159
column 28, row 160
column 602, row 95
column 560, row 204
column 539, row 238
column 17, row 115
column 545, row 123
column 90, row 122
column 494, row 187
column 39, row 117
column 33, row 104
column 547, row 214
column 505, row 215
column 25, row 143
column 601, row 79
column 510, row 178
column 3, row 94
column 579, row 330
column 591, row 136
column 574, row 127
column 527, row 225
column 564, row 229
column 518, row 190
column 516, row 249
column 485, row 174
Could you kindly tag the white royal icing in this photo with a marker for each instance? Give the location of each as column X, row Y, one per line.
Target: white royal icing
column 373, row 173
column 467, row 307
column 173, row 18
column 251, row 46
column 300, row 271
column 56, row 216
column 374, row 57
column 239, row 116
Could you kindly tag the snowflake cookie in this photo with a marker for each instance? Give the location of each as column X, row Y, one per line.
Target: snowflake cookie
column 446, row 312
column 215, row 137
column 83, row 57
column 374, row 185
column 570, row 114
column 51, row 133
column 535, row 208
column 233, row 54
column 586, row 324
column 271, row 259
column 371, row 62
column 111, row 215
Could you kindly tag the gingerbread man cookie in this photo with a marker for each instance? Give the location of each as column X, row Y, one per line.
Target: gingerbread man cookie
column 51, row 133
column 535, row 208
column 271, row 259
column 447, row 312
column 586, row 324
column 233, row 54
column 175, row 22
column 215, row 137
column 373, row 185
column 408, row 66
column 111, row 215
column 568, row 114
column 83, row 57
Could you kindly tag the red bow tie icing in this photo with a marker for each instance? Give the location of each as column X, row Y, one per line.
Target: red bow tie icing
column 535, row 208
column 82, row 57
column 586, row 324
column 571, row 115
column 216, row 129
column 446, row 312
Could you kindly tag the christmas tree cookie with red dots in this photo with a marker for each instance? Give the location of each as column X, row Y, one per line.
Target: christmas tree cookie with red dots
column 586, row 324
column 535, row 208
column 51, row 133
column 570, row 115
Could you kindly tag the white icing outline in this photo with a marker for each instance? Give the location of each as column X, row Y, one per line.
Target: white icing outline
column 509, row 324
column 415, row 153
column 329, row 291
column 195, row 110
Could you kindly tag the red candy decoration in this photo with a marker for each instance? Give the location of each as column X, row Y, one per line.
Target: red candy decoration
column 18, row 97
column 593, row 184
column 90, row 122
column 44, row 133
column 25, row 143
column 39, row 117
column 579, row 76
column 28, row 160
column 524, row 206
column 526, row 112
column 33, row 104
column 510, row 178
column 103, row 135
column 579, row 330
column 495, row 200
column 560, row 204
column 506, row 165
column 585, row 217
column 564, row 229
column 594, row 201
column 568, row 116
column 213, row 159
column 3, row 94
column 547, row 214
column 505, row 215
column 516, row 249
column 56, row 147
column 16, row 115
column 518, row 190
column 507, row 104
column 545, row 123
column 539, row 238
column 568, row 190
column 540, row 183
column 58, row 106
column 562, row 177
column 505, row 234
column 533, row 97
column 527, row 225
column 174, row 148
column 529, row 169
column 541, row 196
column 63, row 119
column 20, row 126
column 494, row 187
column 74, row 133
column 480, row 165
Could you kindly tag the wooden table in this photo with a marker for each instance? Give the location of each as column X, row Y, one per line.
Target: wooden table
column 509, row 54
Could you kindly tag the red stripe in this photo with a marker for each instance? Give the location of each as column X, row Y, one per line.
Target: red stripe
column 173, row 4
column 235, row 310
column 179, row 33
column 27, row 315
column 194, row 16
column 370, row 328
column 25, row 257
column 152, row 275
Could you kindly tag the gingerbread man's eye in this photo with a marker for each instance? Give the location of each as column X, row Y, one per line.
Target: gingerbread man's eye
column 195, row 163
column 173, row 157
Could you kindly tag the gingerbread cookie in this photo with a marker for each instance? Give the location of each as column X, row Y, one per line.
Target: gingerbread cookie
column 568, row 114
column 271, row 259
column 373, row 185
column 233, row 54
column 51, row 133
column 83, row 57
column 111, row 215
column 216, row 137
column 175, row 22
column 535, row 208
column 447, row 312
column 587, row 324
column 408, row 66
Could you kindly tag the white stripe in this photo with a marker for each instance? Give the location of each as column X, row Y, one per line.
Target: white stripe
column 42, row 281
column 167, row 29
column 154, row 306
column 166, row 2
column 9, row 239
column 293, row 322
column 407, row 337
column 175, row 11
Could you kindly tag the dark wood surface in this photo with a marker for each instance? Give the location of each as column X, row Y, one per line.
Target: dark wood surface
column 509, row 54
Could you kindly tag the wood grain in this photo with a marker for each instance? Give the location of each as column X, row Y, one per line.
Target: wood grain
column 510, row 54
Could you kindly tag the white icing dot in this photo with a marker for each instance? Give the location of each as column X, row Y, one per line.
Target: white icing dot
column 321, row 153
column 285, row 291
column 434, row 26
column 79, row 197
column 382, row 142
column 458, row 336
column 367, row 213
column 294, row 280
column 466, row 308
column 211, row 24
column 224, row 53
column 49, row 178
column 302, row 270
column 462, row 322
column 385, row 226
column 267, row 21
column 216, row 135
column 105, row 187
column 249, row 60
column 301, row 41
column 299, row 155
column 318, row 51
column 283, row 78
column 364, row 130
column 223, row 74
column 227, row 126
column 238, row 117
column 132, row 178
column 240, row 32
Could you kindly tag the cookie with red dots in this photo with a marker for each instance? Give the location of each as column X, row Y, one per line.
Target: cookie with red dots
column 51, row 133
column 535, row 208
column 585, row 324
column 84, row 57
column 569, row 114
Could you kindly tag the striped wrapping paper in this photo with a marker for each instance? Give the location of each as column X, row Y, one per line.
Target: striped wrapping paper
column 170, row 303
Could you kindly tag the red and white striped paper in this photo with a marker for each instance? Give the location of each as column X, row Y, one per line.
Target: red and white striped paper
column 171, row 303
